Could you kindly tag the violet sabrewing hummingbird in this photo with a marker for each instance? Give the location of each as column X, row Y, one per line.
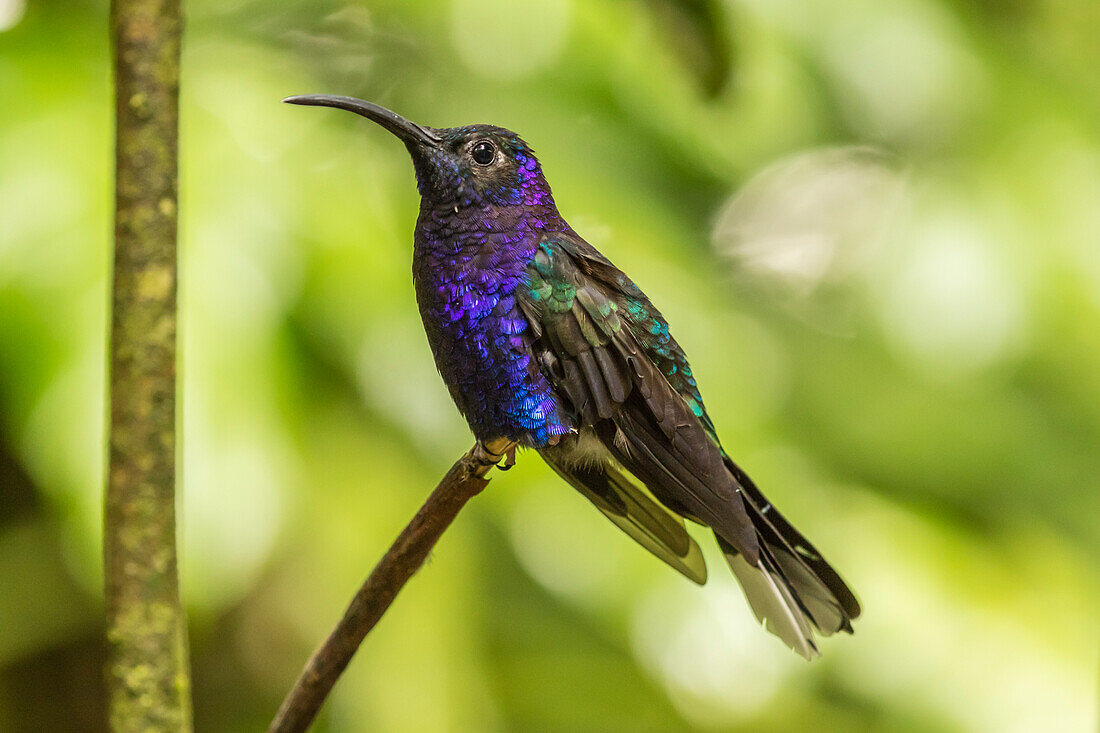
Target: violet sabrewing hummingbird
column 541, row 340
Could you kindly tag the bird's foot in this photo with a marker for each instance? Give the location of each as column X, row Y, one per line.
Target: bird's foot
column 489, row 454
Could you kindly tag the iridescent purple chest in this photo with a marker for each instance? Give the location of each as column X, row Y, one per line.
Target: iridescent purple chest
column 466, row 278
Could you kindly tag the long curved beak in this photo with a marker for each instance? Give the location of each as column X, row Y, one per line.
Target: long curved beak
column 408, row 131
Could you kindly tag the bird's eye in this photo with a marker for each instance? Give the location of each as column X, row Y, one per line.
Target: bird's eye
column 483, row 153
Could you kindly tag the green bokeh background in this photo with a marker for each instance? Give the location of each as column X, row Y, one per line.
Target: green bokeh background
column 873, row 224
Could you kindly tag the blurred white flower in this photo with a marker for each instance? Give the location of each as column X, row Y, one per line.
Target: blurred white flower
column 11, row 12
column 814, row 217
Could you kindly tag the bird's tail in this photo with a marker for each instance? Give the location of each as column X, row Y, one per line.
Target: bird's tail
column 792, row 590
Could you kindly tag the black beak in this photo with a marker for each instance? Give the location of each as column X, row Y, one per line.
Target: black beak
column 408, row 131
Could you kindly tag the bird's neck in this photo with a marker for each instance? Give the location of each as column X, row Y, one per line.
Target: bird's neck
column 448, row 233
column 474, row 255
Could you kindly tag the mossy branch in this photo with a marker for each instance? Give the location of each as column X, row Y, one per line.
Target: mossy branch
column 464, row 481
column 147, row 670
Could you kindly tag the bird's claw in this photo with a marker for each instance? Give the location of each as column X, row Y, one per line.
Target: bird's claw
column 487, row 457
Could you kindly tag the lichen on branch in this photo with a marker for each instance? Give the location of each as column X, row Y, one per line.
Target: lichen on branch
column 147, row 671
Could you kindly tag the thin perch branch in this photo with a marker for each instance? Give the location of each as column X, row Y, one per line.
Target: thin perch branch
column 147, row 675
column 463, row 482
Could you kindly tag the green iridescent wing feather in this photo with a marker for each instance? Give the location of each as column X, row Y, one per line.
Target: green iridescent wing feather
column 608, row 351
column 576, row 325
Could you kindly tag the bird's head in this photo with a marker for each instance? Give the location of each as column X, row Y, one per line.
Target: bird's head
column 472, row 166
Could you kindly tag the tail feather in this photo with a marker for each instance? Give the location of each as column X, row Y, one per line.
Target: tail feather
column 796, row 554
column 772, row 599
column 792, row 590
column 820, row 604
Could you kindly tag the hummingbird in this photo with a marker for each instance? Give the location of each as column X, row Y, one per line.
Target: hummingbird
column 542, row 341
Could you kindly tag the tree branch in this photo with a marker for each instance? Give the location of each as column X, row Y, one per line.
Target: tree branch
column 147, row 673
column 464, row 481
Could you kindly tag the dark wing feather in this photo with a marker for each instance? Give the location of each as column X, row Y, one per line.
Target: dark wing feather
column 609, row 353
column 658, row 440
column 639, row 416
column 633, row 512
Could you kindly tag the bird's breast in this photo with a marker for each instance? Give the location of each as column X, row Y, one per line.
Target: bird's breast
column 479, row 337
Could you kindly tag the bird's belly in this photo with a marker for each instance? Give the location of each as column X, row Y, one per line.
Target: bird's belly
column 481, row 348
